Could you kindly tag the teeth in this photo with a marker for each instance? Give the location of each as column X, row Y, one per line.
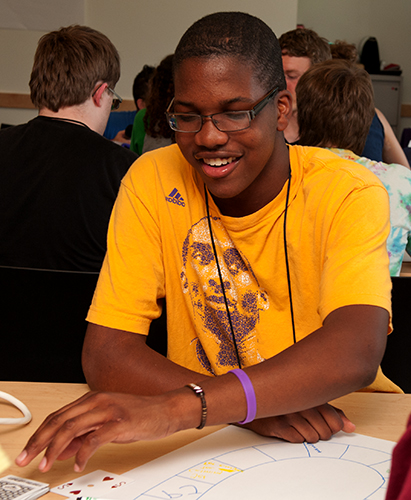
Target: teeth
column 218, row 162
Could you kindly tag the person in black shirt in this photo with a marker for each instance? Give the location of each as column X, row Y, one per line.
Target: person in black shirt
column 59, row 177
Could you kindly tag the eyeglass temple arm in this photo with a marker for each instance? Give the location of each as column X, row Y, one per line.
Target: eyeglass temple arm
column 258, row 107
column 169, row 106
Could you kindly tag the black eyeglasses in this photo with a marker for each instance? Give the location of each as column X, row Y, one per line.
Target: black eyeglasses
column 229, row 121
column 117, row 100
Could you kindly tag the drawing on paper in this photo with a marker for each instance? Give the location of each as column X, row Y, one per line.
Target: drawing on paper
column 319, row 471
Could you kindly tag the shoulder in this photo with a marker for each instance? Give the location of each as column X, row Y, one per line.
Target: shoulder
column 162, row 162
column 157, row 170
column 161, row 157
column 138, row 119
column 161, row 182
column 66, row 141
column 118, row 151
column 324, row 166
column 388, row 173
column 396, row 178
column 97, row 146
column 13, row 131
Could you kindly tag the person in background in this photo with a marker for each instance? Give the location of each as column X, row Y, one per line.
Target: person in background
column 340, row 49
column 141, row 86
column 150, row 129
column 381, row 143
column 301, row 48
column 278, row 292
column 120, row 123
column 59, row 177
column 335, row 109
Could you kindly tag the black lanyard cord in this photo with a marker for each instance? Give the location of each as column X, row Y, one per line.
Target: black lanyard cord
column 221, row 278
column 286, row 265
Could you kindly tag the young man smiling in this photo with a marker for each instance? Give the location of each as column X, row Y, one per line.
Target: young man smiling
column 268, row 265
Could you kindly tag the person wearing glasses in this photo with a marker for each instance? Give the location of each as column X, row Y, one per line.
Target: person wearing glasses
column 59, row 177
column 272, row 260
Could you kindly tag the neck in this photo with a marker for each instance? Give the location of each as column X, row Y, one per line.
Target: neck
column 75, row 114
column 246, row 203
column 292, row 132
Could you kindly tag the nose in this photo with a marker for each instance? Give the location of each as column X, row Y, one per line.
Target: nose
column 209, row 136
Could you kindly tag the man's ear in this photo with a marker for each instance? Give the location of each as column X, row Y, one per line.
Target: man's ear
column 97, row 94
column 284, row 109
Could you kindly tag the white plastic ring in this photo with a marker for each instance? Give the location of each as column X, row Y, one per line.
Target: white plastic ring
column 18, row 404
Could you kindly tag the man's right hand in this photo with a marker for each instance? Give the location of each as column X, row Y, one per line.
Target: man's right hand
column 81, row 427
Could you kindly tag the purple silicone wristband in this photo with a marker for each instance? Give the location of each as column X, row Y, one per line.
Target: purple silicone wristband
column 249, row 394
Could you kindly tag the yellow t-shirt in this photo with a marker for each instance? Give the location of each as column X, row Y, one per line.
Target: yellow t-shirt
column 159, row 246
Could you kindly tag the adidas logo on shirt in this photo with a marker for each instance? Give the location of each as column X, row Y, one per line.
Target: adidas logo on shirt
column 175, row 197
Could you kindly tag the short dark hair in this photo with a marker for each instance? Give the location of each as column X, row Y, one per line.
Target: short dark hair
column 67, row 65
column 335, row 102
column 235, row 34
column 303, row 42
column 141, row 81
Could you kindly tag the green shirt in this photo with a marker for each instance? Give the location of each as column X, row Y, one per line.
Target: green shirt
column 139, row 132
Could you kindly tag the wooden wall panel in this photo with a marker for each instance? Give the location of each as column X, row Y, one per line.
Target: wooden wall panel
column 22, row 101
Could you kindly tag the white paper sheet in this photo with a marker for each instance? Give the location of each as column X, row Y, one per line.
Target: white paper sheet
column 237, row 464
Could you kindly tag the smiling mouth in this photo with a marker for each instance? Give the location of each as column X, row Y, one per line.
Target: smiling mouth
column 219, row 162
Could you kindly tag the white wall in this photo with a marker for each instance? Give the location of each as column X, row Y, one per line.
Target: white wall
column 352, row 20
column 17, row 49
column 144, row 31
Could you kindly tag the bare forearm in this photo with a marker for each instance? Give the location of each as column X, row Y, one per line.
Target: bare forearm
column 392, row 151
column 327, row 364
column 290, row 388
column 337, row 359
column 119, row 361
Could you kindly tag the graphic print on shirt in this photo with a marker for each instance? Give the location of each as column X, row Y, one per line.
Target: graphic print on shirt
column 245, row 298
